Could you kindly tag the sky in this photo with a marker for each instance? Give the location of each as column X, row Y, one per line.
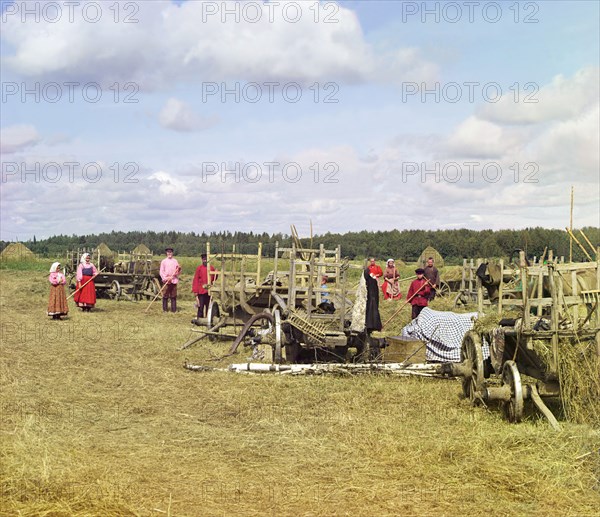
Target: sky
column 252, row 116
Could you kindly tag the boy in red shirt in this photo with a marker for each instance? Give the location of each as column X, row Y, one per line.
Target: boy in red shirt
column 418, row 293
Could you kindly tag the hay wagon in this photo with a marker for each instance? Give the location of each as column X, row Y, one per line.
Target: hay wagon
column 289, row 315
column 134, row 276
column 556, row 335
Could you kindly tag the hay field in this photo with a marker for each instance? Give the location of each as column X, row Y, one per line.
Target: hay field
column 98, row 417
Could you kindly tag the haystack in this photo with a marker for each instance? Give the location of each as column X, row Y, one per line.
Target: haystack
column 142, row 249
column 17, row 251
column 430, row 251
column 103, row 250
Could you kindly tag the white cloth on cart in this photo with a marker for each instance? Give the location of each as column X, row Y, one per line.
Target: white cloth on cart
column 443, row 333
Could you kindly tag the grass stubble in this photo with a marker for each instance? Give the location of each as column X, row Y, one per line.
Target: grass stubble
column 98, row 417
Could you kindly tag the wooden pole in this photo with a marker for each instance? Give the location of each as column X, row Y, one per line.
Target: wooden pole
column 579, row 244
column 81, row 287
column 571, row 228
column 405, row 303
column 162, row 289
column 589, row 243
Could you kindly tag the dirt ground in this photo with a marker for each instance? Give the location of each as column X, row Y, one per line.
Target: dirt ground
column 98, row 417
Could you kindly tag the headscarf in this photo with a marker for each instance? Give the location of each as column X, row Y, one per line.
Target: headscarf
column 54, row 267
column 83, row 257
column 390, row 270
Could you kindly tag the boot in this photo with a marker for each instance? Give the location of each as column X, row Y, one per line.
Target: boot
column 165, row 306
column 173, row 304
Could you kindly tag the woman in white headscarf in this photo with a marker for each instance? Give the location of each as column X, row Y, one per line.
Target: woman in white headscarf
column 391, row 282
column 85, row 294
column 57, row 304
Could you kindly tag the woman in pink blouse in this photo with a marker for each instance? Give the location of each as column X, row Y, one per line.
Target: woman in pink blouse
column 57, row 304
column 85, row 295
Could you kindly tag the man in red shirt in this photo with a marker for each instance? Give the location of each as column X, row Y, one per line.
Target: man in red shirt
column 201, row 284
column 418, row 293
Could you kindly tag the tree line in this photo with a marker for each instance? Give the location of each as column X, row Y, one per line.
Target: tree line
column 453, row 245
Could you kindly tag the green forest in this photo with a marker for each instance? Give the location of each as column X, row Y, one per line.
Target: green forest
column 453, row 245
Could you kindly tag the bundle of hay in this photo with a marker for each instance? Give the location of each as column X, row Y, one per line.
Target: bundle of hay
column 430, row 251
column 17, row 251
column 142, row 249
column 579, row 378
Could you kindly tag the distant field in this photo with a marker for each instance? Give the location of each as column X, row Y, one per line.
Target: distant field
column 98, row 417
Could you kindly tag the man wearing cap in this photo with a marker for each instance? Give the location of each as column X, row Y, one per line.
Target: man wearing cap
column 169, row 273
column 200, row 286
column 418, row 293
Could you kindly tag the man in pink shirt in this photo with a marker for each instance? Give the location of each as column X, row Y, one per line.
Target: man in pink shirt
column 169, row 273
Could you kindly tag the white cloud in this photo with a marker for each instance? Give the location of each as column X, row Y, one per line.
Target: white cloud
column 179, row 116
column 17, row 138
column 168, row 184
column 479, row 138
column 191, row 45
column 563, row 99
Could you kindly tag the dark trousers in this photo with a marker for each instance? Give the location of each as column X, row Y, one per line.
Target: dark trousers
column 416, row 310
column 203, row 301
column 166, row 304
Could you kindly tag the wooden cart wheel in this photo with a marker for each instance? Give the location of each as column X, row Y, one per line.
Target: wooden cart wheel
column 115, row 290
column 460, row 300
column 151, row 289
column 212, row 317
column 513, row 408
column 443, row 290
column 272, row 334
column 471, row 356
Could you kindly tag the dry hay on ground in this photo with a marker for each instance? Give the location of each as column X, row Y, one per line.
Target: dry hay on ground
column 100, row 418
column 451, row 273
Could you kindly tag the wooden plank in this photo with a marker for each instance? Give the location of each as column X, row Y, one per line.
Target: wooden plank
column 402, row 349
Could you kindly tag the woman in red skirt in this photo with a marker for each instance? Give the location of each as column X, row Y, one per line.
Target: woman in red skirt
column 57, row 304
column 85, row 295
column 391, row 282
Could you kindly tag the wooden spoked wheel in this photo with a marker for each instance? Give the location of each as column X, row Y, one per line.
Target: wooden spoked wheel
column 471, row 356
column 513, row 408
column 443, row 290
column 115, row 290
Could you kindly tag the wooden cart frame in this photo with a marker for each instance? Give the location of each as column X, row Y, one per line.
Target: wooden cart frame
column 557, row 312
column 286, row 309
column 131, row 278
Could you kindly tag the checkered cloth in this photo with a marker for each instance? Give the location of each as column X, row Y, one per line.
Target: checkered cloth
column 443, row 333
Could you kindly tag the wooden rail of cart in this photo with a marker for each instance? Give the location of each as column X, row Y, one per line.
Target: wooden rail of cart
column 286, row 308
column 133, row 276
